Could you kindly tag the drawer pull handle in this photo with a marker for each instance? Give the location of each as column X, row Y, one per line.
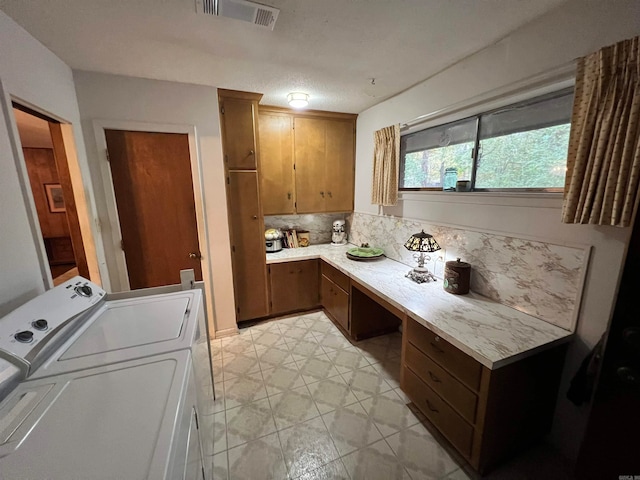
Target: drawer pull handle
column 436, row 348
column 433, row 377
column 434, row 410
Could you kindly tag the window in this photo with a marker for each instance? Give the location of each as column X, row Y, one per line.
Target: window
column 521, row 146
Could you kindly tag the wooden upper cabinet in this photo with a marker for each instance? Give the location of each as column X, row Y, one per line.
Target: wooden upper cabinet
column 307, row 161
column 310, row 155
column 324, row 162
column 277, row 187
column 238, row 127
column 339, row 166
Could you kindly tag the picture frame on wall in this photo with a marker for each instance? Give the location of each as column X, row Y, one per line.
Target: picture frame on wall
column 55, row 198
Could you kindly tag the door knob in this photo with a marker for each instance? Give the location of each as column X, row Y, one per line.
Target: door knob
column 195, row 255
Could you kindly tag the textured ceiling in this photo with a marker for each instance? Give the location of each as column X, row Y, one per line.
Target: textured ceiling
column 327, row 48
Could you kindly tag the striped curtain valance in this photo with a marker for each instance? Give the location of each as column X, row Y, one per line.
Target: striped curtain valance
column 386, row 166
column 603, row 163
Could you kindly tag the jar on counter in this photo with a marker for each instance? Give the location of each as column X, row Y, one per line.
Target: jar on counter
column 457, row 277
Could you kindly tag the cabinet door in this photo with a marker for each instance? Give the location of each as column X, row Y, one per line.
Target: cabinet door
column 276, row 163
column 248, row 250
column 339, row 164
column 294, row 286
column 239, row 134
column 310, row 157
column 336, row 302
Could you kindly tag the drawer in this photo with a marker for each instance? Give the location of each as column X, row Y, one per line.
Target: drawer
column 462, row 399
column 448, row 422
column 335, row 301
column 458, row 363
column 336, row 276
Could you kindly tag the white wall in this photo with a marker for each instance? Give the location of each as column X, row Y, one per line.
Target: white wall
column 573, row 30
column 32, row 74
column 113, row 97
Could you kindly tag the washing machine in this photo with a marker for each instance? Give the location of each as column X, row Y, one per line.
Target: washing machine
column 76, row 328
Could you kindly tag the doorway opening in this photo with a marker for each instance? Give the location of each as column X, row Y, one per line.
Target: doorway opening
column 45, row 153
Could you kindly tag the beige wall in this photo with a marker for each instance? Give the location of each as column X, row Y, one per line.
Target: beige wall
column 32, row 75
column 576, row 28
column 119, row 98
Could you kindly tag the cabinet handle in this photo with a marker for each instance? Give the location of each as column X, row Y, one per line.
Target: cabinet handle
column 251, row 152
column 288, row 195
column 431, row 407
column 322, row 193
column 329, row 193
column 255, row 217
column 436, row 348
column 433, row 377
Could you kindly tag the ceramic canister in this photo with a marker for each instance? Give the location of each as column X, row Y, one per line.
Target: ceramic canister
column 457, row 276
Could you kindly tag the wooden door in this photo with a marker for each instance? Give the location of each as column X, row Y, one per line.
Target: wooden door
column 247, row 245
column 239, row 133
column 339, row 164
column 310, row 157
column 294, row 286
column 156, row 208
column 276, row 163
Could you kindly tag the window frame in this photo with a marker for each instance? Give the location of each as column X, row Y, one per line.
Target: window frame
column 474, row 159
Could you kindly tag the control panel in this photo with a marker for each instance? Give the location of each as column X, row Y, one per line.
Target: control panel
column 22, row 330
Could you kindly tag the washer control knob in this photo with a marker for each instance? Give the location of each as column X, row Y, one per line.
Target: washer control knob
column 84, row 290
column 25, row 336
column 40, row 324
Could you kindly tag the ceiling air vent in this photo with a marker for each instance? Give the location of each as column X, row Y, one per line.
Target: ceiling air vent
column 261, row 15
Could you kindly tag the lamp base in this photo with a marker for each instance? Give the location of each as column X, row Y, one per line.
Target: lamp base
column 420, row 276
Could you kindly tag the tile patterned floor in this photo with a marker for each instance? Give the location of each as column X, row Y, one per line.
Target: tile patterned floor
column 296, row 400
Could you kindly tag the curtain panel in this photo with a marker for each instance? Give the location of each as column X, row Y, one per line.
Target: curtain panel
column 603, row 164
column 386, row 166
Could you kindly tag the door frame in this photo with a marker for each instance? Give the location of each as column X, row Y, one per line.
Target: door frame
column 122, row 274
column 80, row 181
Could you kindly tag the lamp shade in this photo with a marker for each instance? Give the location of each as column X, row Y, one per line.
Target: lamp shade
column 422, row 242
column 298, row 99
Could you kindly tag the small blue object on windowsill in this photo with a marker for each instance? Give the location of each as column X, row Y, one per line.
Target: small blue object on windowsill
column 450, row 179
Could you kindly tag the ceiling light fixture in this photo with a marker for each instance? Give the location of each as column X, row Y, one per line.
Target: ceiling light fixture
column 298, row 99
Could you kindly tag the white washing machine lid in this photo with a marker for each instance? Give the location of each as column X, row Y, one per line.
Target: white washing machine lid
column 122, row 330
column 110, row 422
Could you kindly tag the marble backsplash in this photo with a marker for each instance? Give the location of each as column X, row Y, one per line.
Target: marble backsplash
column 319, row 225
column 541, row 279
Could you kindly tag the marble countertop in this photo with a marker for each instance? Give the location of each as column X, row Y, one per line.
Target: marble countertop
column 492, row 333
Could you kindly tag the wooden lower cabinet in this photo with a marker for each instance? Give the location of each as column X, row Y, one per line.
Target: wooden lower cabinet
column 336, row 302
column 486, row 415
column 439, row 413
column 294, row 286
column 247, row 242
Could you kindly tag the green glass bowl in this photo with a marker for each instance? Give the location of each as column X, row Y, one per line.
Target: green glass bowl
column 365, row 252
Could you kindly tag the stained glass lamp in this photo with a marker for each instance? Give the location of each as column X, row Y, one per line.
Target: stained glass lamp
column 422, row 243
